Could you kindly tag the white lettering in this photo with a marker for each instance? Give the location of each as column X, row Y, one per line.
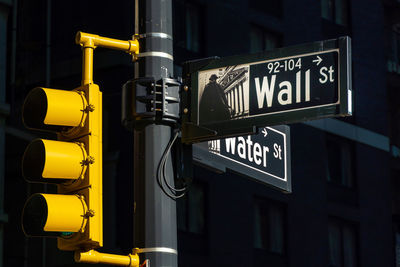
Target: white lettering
column 307, row 85
column 331, row 71
column 277, row 151
column 257, row 153
column 325, row 77
column 287, row 92
column 241, row 148
column 266, row 150
column 249, row 150
column 266, row 91
column 298, row 87
column 249, row 145
column 230, row 145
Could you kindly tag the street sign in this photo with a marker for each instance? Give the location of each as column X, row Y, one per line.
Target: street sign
column 286, row 85
column 264, row 157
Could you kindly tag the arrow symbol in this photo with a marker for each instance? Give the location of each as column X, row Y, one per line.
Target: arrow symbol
column 318, row 60
column 264, row 131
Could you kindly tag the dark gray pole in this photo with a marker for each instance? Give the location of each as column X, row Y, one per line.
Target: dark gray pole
column 155, row 212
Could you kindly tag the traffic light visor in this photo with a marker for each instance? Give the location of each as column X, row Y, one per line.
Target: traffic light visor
column 50, row 214
column 53, row 109
column 55, row 161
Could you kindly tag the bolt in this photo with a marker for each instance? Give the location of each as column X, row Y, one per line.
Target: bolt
column 89, row 213
column 90, row 108
column 186, row 88
column 185, row 110
column 87, row 161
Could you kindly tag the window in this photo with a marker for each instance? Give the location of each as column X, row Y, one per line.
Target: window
column 192, row 28
column 340, row 161
column 397, row 249
column 396, row 228
column 342, row 244
column 261, row 40
column 269, row 226
column 335, row 11
column 187, row 26
column 394, row 49
column 191, row 210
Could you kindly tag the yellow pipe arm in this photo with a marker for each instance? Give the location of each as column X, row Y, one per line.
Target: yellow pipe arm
column 92, row 256
column 90, row 41
column 93, row 41
column 87, row 65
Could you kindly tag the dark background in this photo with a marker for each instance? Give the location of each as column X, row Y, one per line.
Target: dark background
column 345, row 205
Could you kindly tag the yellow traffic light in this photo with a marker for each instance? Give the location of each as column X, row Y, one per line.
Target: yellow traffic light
column 73, row 162
column 42, row 160
column 54, row 110
column 65, row 213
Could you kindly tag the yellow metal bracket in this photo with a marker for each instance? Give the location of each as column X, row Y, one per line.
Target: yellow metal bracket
column 90, row 41
column 92, row 256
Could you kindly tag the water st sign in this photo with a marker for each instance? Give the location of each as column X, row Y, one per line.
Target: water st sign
column 286, row 85
column 264, row 157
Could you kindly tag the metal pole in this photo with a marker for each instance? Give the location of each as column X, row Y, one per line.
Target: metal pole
column 155, row 212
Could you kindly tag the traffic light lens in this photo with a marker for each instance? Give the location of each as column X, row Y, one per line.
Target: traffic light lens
column 34, row 216
column 33, row 114
column 33, row 161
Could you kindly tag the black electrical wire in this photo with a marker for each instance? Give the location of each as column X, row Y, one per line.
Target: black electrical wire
column 161, row 175
column 171, row 188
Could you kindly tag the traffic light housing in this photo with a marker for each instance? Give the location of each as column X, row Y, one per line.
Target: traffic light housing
column 73, row 162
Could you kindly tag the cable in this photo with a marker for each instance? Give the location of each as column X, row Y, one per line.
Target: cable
column 161, row 173
column 171, row 188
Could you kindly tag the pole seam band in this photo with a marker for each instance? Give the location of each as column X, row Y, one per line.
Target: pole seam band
column 156, row 249
column 155, row 54
column 156, row 35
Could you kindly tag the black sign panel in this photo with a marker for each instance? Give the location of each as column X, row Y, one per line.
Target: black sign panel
column 230, row 96
column 294, row 83
column 264, row 157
